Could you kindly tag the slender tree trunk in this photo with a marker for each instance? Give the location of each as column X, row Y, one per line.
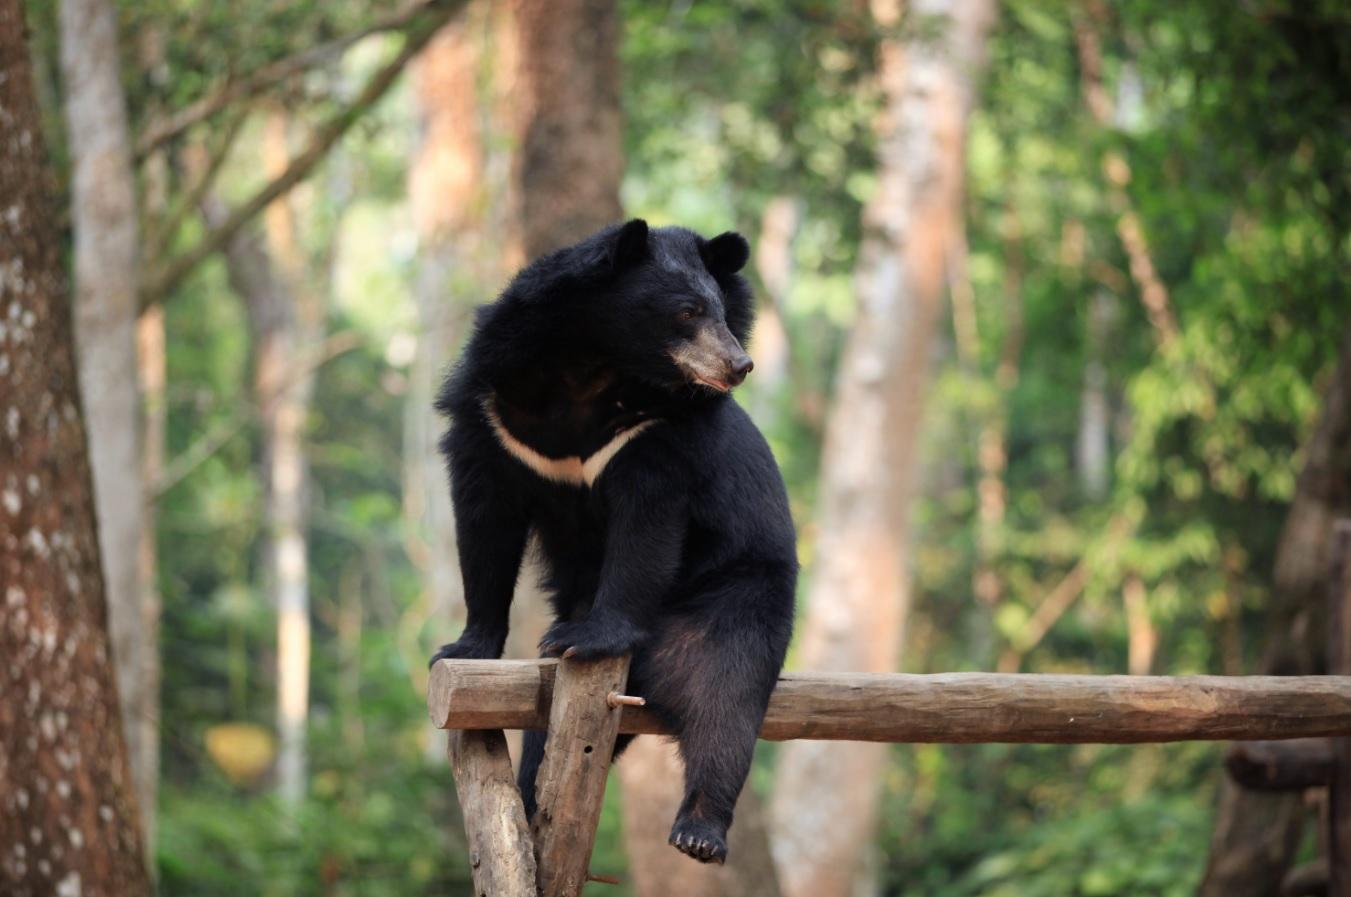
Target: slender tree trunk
column 826, row 795
column 68, row 818
column 106, row 272
column 287, row 325
column 285, row 312
column 1091, row 451
column 1256, row 834
column 152, row 365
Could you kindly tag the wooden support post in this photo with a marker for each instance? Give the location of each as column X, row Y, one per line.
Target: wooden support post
column 500, row 851
column 1280, row 765
column 571, row 783
column 1339, row 661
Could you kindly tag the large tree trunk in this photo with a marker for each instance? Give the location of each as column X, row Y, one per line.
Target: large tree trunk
column 571, row 157
column 826, row 795
column 566, row 171
column 652, row 787
column 1257, row 833
column 68, row 819
column 106, row 272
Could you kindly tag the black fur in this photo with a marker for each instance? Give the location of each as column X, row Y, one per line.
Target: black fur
column 682, row 550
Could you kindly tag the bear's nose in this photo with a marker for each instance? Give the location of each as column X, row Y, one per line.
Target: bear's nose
column 739, row 368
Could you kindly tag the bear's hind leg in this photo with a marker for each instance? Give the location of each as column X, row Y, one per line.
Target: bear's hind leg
column 710, row 676
column 717, row 757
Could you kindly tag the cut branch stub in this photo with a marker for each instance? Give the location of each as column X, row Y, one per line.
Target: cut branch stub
column 571, row 782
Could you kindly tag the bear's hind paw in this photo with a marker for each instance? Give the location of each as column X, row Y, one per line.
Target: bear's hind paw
column 700, row 840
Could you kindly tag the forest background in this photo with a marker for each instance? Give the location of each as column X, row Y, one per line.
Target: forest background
column 1053, row 351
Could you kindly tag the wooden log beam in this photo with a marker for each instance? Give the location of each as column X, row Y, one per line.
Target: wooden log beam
column 583, row 724
column 1280, row 765
column 501, row 854
column 948, row 708
column 1308, row 880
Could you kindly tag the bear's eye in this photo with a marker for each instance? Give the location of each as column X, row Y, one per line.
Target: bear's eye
column 691, row 312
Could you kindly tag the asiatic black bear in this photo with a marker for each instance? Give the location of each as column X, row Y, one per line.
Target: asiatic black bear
column 591, row 408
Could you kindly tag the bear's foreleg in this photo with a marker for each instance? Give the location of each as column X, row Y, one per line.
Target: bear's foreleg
column 645, row 532
column 491, row 528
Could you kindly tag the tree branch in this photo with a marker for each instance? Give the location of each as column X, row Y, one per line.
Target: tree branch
column 160, row 283
column 199, row 452
column 157, row 239
column 165, row 128
column 1117, row 171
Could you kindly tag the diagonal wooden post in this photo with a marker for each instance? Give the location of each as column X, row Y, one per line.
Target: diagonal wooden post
column 583, row 726
column 1339, row 662
column 501, row 855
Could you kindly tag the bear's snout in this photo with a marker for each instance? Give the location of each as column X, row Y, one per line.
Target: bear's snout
column 738, row 369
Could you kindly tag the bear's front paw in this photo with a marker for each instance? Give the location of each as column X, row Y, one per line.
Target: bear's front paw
column 470, row 646
column 590, row 639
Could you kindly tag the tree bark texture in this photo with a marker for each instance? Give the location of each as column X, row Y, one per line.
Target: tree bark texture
column 1257, row 834
column 68, row 818
column 570, row 159
column 107, row 280
column 948, row 708
column 826, row 796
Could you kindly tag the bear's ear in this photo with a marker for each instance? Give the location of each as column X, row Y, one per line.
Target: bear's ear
column 630, row 245
column 726, row 253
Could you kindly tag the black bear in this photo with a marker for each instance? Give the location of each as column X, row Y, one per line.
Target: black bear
column 591, row 408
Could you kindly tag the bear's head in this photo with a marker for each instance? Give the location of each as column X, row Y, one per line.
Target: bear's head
column 674, row 309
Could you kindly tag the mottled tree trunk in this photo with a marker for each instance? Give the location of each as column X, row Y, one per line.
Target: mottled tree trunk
column 826, row 795
column 68, row 820
column 1256, row 833
column 106, row 274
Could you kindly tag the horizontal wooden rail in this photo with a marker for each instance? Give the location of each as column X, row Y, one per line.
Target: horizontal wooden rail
column 948, row 708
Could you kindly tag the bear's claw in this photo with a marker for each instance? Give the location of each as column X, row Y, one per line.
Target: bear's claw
column 589, row 639
column 697, row 839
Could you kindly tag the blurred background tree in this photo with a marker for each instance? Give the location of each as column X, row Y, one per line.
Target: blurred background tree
column 1052, row 296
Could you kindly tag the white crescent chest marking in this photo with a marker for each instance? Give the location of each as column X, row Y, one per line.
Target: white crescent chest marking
column 574, row 470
